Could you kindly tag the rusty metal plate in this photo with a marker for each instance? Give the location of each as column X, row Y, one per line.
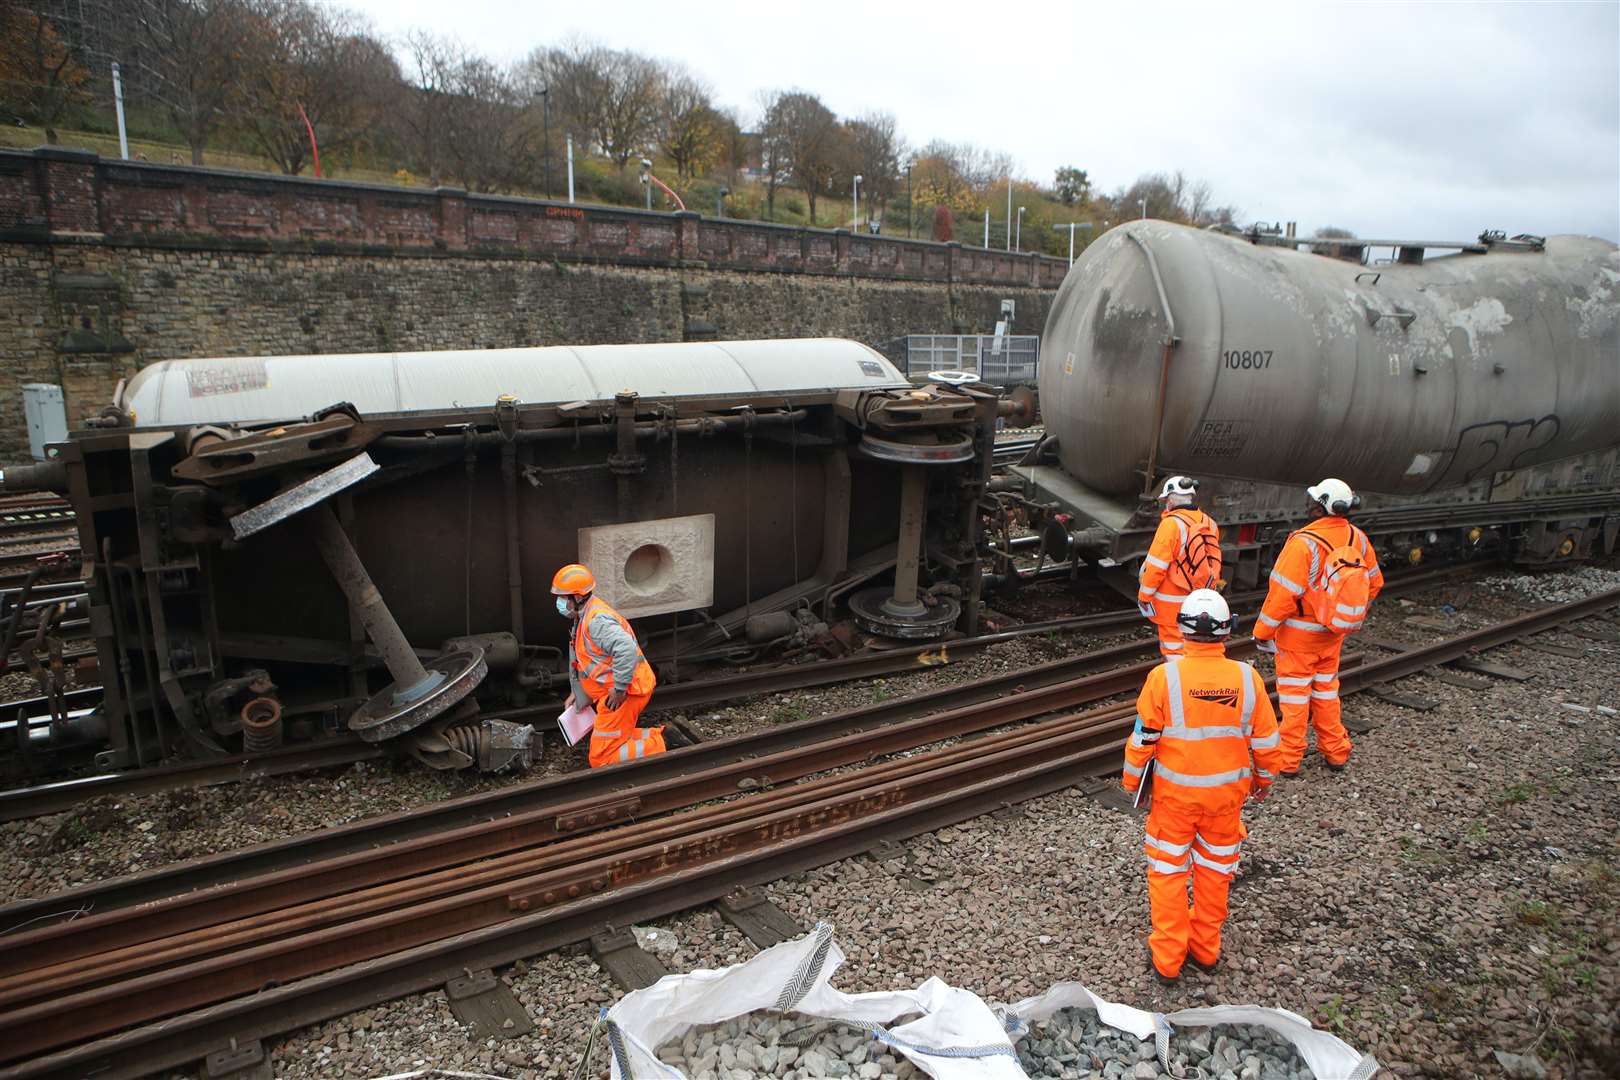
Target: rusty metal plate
column 604, row 814
column 760, row 920
column 626, row 962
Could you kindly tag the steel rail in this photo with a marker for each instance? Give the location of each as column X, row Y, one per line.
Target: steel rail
column 777, row 844
column 102, row 930
column 519, row 798
column 22, row 803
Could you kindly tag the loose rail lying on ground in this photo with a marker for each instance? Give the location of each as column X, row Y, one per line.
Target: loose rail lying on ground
column 401, row 933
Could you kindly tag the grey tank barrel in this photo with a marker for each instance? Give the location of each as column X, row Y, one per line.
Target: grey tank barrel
column 1284, row 366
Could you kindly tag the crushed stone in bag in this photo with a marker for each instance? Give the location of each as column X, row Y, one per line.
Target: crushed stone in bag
column 1074, row 1045
column 787, row 1046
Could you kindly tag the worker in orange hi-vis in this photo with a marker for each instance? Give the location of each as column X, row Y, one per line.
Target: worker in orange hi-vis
column 1324, row 580
column 1185, row 555
column 1205, row 727
column 606, row 671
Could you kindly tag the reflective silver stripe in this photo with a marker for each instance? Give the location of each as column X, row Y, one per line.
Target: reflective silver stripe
column 1181, row 526
column 1375, row 572
column 1316, row 562
column 1172, row 681
column 624, row 751
column 1261, row 773
column 1246, row 708
column 1194, row 733
column 1148, row 594
column 1168, row 848
column 1293, row 680
column 1352, row 609
column 1218, row 849
column 1292, row 699
column 1140, row 743
column 1134, row 770
column 1324, row 694
column 1215, row 864
column 1343, row 625
column 1175, row 598
column 1154, row 560
column 1323, row 676
column 1171, row 644
column 1213, row 780
column 1297, row 590
column 1168, row 867
column 1268, row 620
column 1266, row 742
column 1302, row 624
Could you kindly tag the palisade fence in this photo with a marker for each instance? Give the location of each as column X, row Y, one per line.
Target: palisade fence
column 1011, row 360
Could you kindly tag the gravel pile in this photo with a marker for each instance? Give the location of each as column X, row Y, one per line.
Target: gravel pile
column 1074, row 1045
column 787, row 1046
column 1558, row 588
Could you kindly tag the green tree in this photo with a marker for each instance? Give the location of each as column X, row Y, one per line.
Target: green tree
column 1073, row 186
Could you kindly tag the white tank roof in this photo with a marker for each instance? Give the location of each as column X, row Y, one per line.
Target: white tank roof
column 254, row 389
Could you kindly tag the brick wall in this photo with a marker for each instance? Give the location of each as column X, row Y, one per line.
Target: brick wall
column 108, row 266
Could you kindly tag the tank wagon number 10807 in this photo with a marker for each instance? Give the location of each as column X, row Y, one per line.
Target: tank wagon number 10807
column 1246, row 359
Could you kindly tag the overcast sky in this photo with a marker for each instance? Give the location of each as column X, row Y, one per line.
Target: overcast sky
column 1405, row 120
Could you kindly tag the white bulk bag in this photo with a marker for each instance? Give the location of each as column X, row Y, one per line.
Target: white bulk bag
column 949, row 1033
column 1328, row 1056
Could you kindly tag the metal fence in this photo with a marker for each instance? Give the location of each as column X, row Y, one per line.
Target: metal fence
column 1013, row 363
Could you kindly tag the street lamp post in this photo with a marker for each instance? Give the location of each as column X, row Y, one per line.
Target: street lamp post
column 646, row 179
column 720, row 202
column 1018, row 241
column 1009, row 211
column 855, row 200
column 545, row 111
column 911, row 216
column 1143, row 204
column 1071, row 226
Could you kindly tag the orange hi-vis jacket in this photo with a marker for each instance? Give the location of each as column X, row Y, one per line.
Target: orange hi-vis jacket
column 1208, row 725
column 1297, row 569
column 594, row 661
column 1185, row 555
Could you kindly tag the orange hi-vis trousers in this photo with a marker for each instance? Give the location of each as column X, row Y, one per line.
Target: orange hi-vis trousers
column 615, row 736
column 1172, row 643
column 1308, row 690
column 1183, row 838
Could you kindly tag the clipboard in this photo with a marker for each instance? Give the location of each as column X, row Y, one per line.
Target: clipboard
column 574, row 723
column 1147, row 775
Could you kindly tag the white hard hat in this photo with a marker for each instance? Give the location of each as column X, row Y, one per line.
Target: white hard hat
column 1334, row 496
column 1204, row 614
column 1178, row 485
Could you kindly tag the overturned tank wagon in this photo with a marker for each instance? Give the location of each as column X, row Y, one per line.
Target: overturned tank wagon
column 286, row 548
column 1470, row 391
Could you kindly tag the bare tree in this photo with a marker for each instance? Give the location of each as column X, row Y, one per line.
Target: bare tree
column 956, row 175
column 874, row 149
column 42, row 67
column 774, row 155
column 809, row 136
column 422, row 112
column 691, row 131
column 302, row 55
column 191, row 54
column 489, row 139
column 627, row 113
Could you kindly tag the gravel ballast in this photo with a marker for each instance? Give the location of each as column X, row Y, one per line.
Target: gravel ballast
column 1454, row 893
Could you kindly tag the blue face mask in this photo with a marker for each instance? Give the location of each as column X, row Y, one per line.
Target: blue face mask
column 563, row 608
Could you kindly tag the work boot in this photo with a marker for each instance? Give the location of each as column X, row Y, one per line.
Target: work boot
column 1163, row 979
column 1209, row 968
column 1336, row 766
column 674, row 737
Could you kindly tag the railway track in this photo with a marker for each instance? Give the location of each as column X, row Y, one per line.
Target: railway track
column 122, row 991
column 21, row 803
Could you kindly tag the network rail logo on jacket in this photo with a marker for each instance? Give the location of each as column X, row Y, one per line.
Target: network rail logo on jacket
column 1216, row 696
